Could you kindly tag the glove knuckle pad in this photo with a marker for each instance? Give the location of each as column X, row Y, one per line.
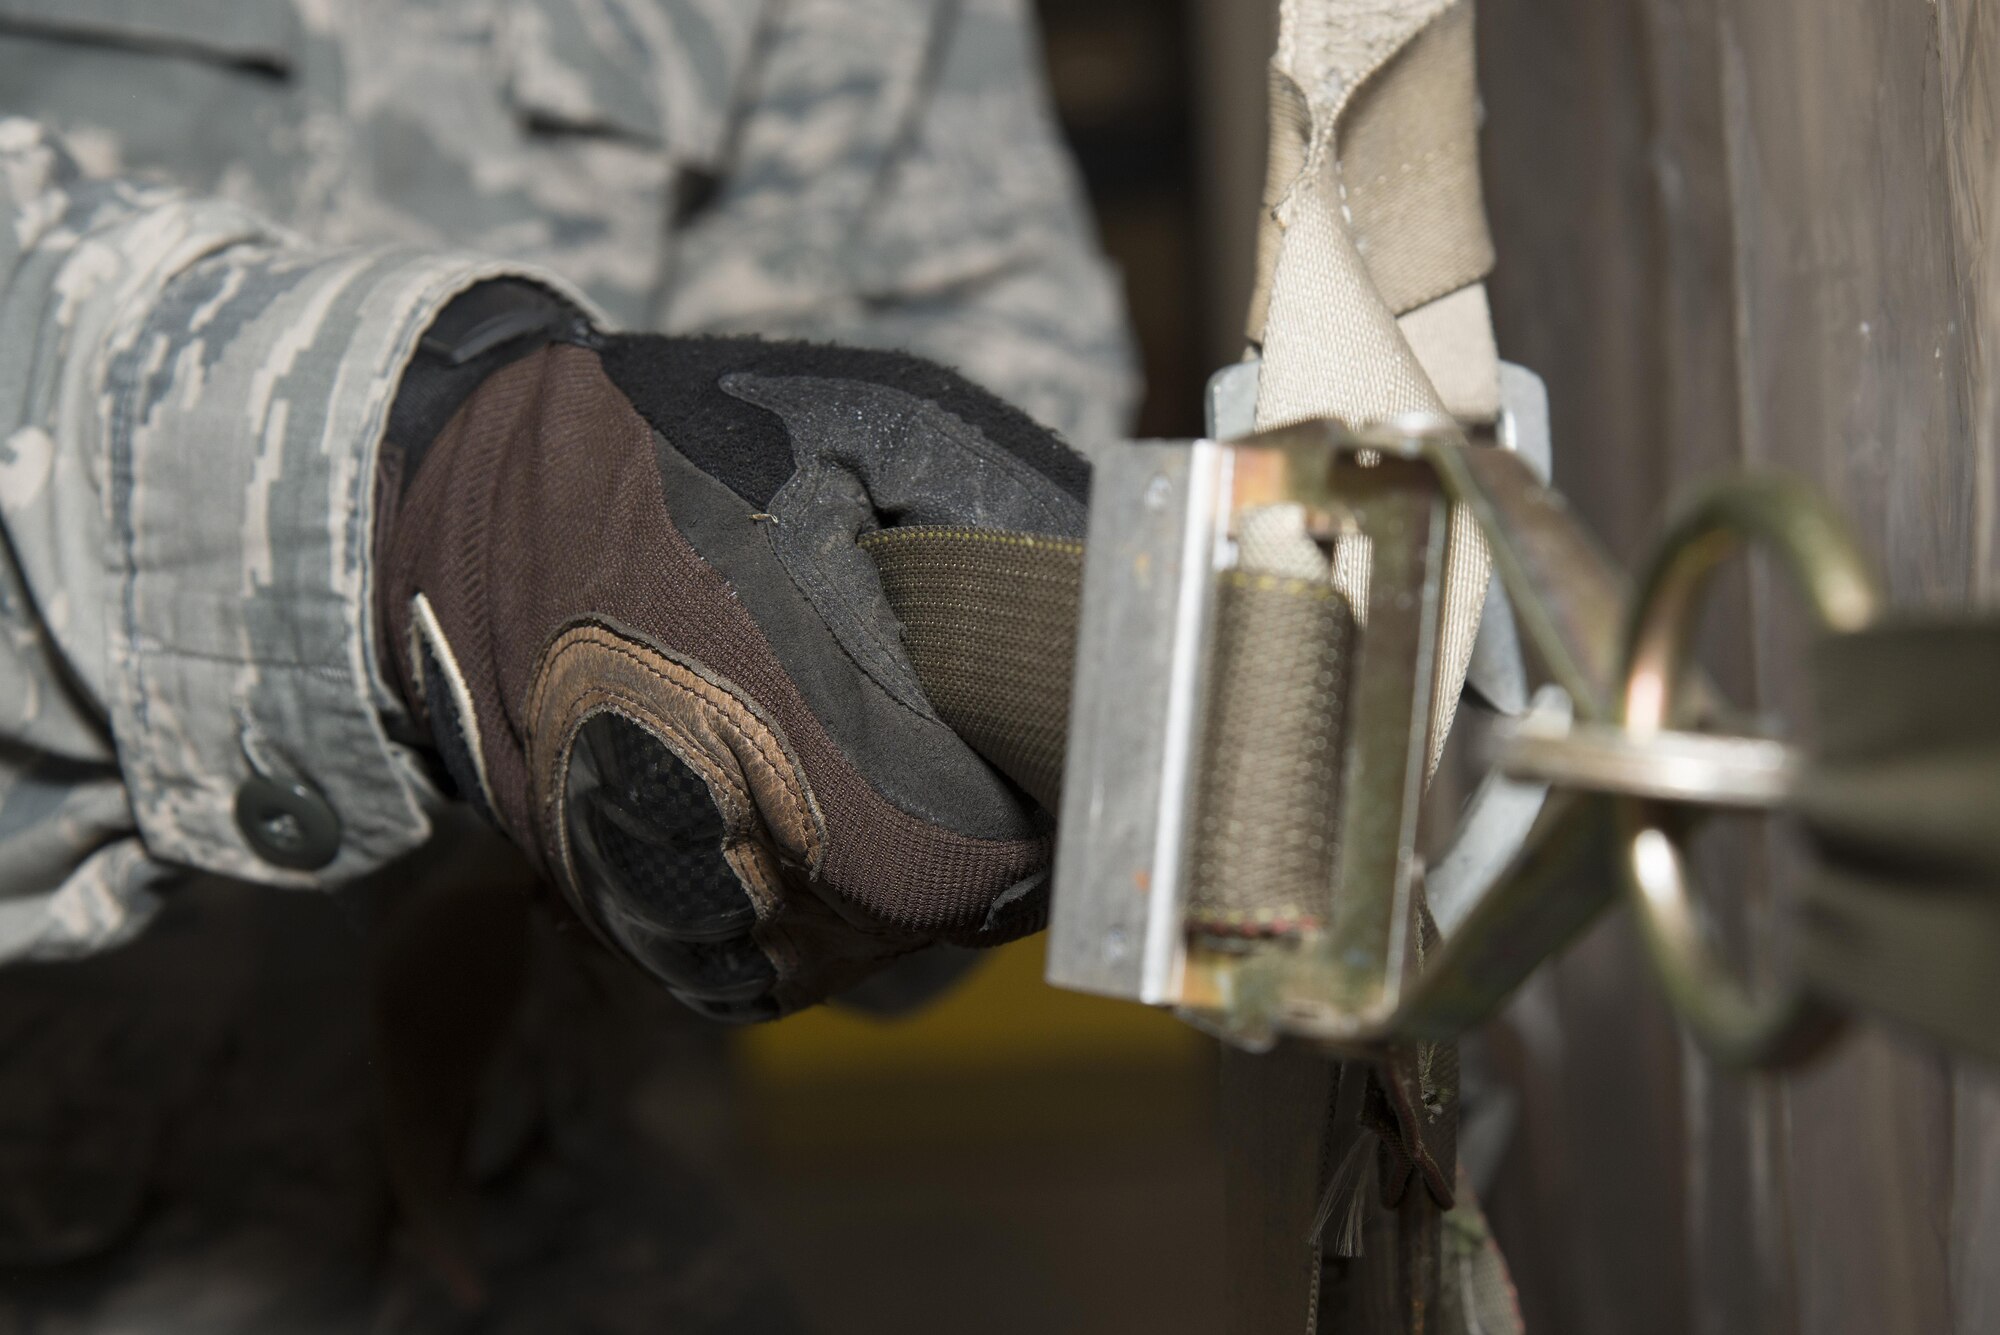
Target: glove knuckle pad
column 673, row 807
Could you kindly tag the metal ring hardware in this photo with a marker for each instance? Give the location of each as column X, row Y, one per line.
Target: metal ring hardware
column 1824, row 561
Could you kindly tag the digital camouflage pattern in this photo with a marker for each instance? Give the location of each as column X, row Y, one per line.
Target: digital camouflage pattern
column 223, row 226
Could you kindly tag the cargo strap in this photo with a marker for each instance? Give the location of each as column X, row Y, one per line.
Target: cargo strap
column 990, row 619
column 1369, row 304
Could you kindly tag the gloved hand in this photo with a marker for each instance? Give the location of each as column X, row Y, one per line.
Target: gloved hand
column 622, row 589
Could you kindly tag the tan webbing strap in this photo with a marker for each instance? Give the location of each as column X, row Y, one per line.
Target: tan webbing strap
column 1373, row 210
column 1374, row 241
column 1409, row 164
column 1370, row 304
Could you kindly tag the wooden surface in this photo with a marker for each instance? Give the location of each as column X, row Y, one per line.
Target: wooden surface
column 1752, row 232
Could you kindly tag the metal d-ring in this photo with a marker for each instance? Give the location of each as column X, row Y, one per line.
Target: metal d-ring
column 1815, row 548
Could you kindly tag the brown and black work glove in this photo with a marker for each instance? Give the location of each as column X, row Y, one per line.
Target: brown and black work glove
column 623, row 589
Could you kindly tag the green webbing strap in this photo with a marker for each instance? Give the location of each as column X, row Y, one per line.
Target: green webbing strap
column 989, row 619
column 1263, row 860
column 1899, row 912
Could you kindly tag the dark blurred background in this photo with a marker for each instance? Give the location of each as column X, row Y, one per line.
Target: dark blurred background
column 1016, row 1158
column 1162, row 102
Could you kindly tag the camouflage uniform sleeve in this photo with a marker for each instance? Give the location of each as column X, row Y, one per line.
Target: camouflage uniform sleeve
column 190, row 405
column 898, row 180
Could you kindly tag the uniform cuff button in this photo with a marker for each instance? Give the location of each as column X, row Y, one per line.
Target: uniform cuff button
column 287, row 824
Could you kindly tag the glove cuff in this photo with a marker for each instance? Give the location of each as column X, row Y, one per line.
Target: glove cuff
column 484, row 329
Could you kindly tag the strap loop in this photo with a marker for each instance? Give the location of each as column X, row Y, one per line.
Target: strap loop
column 1815, row 549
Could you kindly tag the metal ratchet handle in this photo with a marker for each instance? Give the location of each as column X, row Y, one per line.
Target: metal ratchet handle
column 1823, row 560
